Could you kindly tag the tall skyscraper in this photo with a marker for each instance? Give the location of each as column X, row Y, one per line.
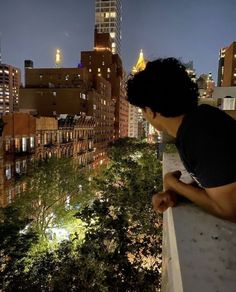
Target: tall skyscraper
column 108, row 20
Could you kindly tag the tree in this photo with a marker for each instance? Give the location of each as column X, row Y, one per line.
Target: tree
column 125, row 237
column 122, row 245
column 14, row 245
column 55, row 190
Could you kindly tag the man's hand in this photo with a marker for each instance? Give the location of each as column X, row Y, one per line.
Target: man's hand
column 162, row 201
column 170, row 180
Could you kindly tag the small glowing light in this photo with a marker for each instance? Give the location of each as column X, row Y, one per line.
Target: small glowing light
column 58, row 58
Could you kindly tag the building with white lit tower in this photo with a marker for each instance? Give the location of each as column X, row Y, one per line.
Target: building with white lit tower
column 9, row 88
column 108, row 20
column 135, row 114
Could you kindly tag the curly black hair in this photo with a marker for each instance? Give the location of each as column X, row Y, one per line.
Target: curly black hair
column 165, row 87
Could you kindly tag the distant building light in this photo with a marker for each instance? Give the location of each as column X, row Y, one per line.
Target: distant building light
column 102, row 49
column 58, row 58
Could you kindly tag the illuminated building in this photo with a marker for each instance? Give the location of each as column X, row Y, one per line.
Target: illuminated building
column 206, row 85
column 71, row 91
column 190, row 70
column 221, row 66
column 102, row 63
column 136, row 121
column 227, row 66
column 53, row 91
column 18, row 146
column 26, row 137
column 9, row 88
column 108, row 20
column 141, row 63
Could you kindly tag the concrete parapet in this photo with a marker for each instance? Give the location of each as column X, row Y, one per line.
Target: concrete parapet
column 199, row 250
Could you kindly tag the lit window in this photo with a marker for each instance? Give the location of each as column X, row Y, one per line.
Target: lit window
column 99, row 69
column 113, row 35
column 38, row 139
column 17, row 167
column 17, row 144
column 8, row 144
column 54, row 93
column 113, row 14
column 24, row 144
column 31, row 142
column 83, row 95
column 8, row 171
column 108, row 70
column 90, row 70
column 67, row 77
column 103, row 63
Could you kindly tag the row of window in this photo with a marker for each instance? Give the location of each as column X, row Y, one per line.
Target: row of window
column 22, row 144
column 66, row 77
column 63, row 137
column 19, row 168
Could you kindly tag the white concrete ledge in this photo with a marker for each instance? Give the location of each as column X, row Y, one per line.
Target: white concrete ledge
column 199, row 250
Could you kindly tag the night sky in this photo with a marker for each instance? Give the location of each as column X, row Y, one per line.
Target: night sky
column 189, row 29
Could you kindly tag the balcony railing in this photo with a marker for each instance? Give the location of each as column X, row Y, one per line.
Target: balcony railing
column 199, row 250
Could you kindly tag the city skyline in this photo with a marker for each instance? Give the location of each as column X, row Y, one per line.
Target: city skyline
column 191, row 31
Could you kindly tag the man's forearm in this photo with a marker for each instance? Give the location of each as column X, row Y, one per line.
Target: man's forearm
column 199, row 197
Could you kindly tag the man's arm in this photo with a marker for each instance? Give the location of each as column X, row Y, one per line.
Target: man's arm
column 220, row 201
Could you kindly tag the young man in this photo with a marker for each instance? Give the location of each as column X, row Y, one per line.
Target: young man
column 205, row 137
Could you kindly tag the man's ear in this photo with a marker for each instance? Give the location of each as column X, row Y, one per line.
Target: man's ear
column 150, row 112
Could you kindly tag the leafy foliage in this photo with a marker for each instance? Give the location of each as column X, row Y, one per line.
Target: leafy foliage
column 121, row 249
column 55, row 188
column 14, row 245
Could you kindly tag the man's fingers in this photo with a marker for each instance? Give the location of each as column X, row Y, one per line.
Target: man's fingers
column 162, row 201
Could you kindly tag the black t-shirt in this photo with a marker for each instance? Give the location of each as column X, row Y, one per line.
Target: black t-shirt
column 206, row 141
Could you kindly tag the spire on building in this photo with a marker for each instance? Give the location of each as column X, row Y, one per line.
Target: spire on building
column 58, row 58
column 141, row 63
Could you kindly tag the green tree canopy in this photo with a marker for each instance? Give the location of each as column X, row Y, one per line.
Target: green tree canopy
column 121, row 249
